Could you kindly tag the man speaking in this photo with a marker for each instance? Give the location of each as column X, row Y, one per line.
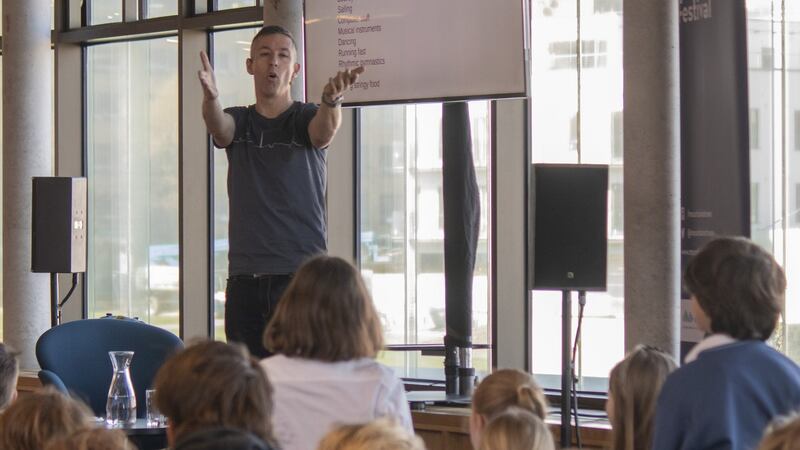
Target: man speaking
column 276, row 152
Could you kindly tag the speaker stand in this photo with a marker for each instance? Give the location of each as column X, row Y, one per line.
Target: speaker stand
column 566, row 368
column 55, row 309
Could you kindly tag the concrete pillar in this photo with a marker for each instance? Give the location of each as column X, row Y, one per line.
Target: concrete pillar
column 27, row 152
column 652, row 174
column 289, row 15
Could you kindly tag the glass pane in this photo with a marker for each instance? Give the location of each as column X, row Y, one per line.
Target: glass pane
column 402, row 238
column 105, row 11
column 230, row 4
column 761, row 50
column 231, row 49
column 132, row 125
column 791, row 99
column 764, row 60
column 160, row 8
column 775, row 164
column 554, row 81
column 1, row 171
column 565, row 131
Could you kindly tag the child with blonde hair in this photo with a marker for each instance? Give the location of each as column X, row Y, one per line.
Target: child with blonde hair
column 516, row 429
column 9, row 373
column 35, row 419
column 633, row 388
column 503, row 389
column 93, row 439
column 380, row 434
column 782, row 434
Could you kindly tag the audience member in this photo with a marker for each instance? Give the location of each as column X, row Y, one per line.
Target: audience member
column 9, row 372
column 380, row 434
column 215, row 395
column 325, row 335
column 222, row 438
column 733, row 384
column 516, row 429
column 633, row 388
column 92, row 439
column 35, row 419
column 782, row 434
column 503, row 389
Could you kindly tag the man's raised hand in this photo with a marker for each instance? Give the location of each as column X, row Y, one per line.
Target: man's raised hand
column 207, row 79
column 336, row 86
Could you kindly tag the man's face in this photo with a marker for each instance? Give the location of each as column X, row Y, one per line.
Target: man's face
column 272, row 64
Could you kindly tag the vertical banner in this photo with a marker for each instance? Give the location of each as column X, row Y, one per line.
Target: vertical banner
column 715, row 173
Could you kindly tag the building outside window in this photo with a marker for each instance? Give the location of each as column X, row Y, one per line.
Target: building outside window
column 132, row 155
column 774, row 83
column 556, row 106
column 232, row 4
column 161, row 8
column 231, row 49
column 402, row 240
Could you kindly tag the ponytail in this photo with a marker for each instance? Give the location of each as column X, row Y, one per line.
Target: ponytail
column 506, row 388
column 531, row 398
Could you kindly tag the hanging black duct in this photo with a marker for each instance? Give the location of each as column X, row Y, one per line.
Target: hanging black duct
column 461, row 203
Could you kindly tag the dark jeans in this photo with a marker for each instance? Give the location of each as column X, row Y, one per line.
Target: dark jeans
column 250, row 302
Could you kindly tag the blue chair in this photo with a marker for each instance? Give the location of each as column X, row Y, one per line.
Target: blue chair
column 74, row 357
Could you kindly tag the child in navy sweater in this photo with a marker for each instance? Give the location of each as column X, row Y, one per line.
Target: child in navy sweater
column 732, row 384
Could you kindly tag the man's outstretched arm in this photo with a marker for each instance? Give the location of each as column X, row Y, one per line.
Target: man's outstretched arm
column 219, row 124
column 326, row 122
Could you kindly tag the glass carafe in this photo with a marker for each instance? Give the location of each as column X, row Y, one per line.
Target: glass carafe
column 121, row 403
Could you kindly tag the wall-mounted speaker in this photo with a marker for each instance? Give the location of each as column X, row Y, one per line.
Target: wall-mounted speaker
column 59, row 225
column 569, row 218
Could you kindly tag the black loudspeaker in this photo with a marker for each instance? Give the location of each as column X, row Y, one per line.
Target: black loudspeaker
column 569, row 244
column 59, row 225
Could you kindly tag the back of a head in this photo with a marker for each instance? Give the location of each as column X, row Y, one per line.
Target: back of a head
column 221, row 439
column 212, row 384
column 516, row 429
column 35, row 419
column 93, row 439
column 9, row 371
column 326, row 313
column 509, row 388
column 739, row 286
column 782, row 434
column 380, row 434
column 634, row 385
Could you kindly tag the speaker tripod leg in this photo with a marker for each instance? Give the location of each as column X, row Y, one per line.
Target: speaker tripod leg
column 54, row 313
column 566, row 367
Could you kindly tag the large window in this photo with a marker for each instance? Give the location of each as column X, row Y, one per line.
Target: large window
column 402, row 240
column 105, row 11
column 231, row 49
column 132, row 144
column 576, row 118
column 230, row 4
column 774, row 88
column 160, row 8
column 1, row 171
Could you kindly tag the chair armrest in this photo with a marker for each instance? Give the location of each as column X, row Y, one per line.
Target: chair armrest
column 49, row 378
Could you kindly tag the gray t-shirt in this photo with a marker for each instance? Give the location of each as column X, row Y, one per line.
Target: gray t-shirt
column 276, row 190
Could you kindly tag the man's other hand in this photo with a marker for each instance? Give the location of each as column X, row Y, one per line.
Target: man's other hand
column 207, row 79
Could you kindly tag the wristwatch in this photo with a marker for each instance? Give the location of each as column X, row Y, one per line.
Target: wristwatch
column 332, row 102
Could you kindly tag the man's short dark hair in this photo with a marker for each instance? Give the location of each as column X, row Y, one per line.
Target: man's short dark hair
column 739, row 286
column 274, row 29
column 9, row 370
